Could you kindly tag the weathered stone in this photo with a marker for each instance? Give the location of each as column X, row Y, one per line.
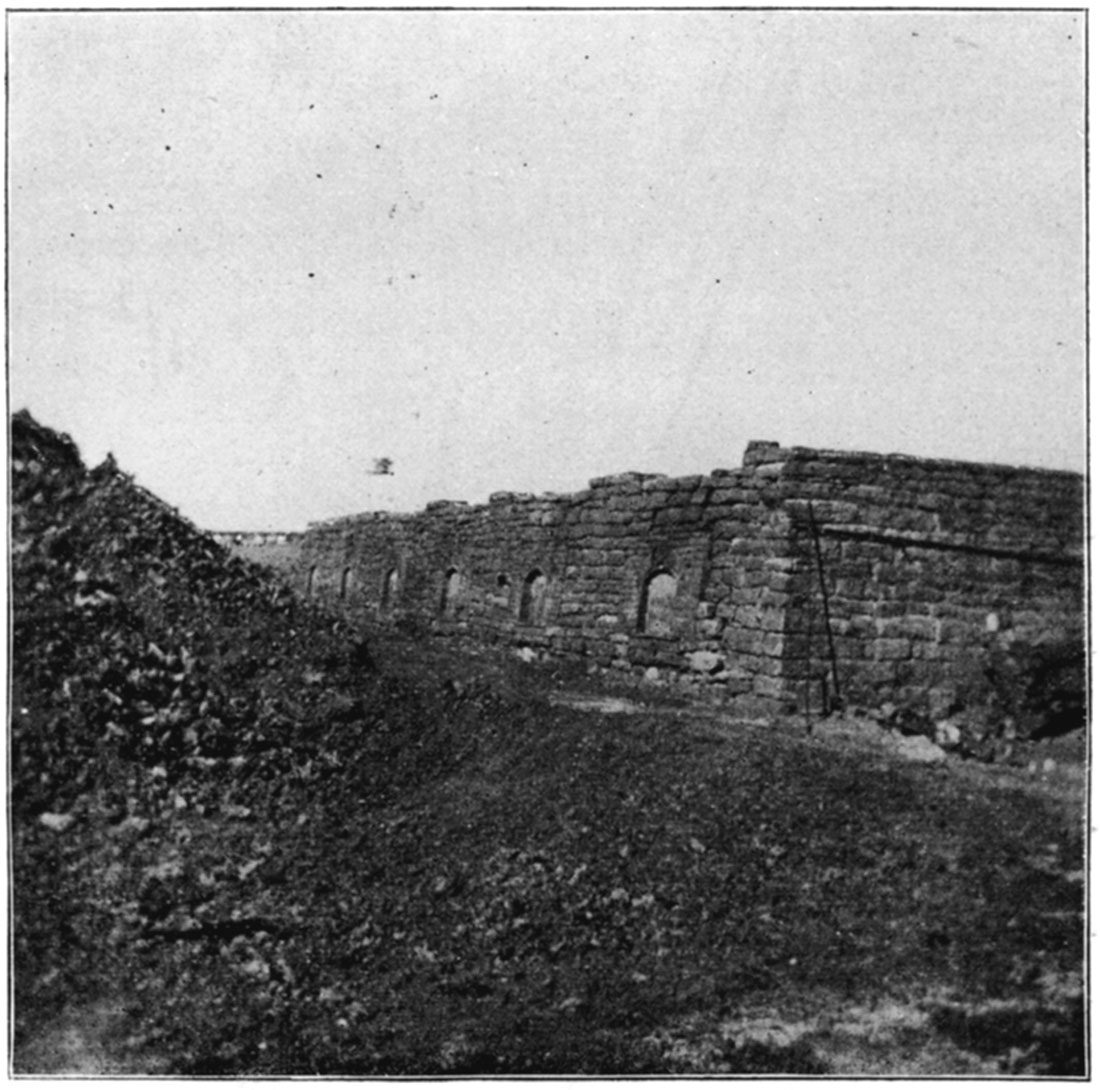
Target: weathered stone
column 916, row 747
column 58, row 823
column 884, row 650
column 705, row 662
column 915, row 556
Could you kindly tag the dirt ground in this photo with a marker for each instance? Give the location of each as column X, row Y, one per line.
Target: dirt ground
column 932, row 1019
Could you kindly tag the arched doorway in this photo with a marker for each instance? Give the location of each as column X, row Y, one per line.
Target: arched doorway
column 502, row 596
column 532, row 599
column 389, row 589
column 655, row 612
column 450, row 604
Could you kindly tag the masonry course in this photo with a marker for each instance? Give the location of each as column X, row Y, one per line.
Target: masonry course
column 800, row 577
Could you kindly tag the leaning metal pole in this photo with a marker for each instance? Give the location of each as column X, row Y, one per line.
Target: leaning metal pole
column 825, row 603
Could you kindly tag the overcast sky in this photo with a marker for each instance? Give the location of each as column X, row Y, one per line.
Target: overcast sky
column 251, row 252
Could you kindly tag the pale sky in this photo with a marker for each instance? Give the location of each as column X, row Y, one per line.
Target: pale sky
column 251, row 252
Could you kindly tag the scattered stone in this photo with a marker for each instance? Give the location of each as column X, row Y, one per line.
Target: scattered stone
column 57, row 822
column 916, row 747
column 258, row 968
column 132, row 824
column 948, row 734
column 885, row 713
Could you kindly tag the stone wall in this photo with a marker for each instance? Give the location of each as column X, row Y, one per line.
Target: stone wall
column 800, row 576
column 921, row 564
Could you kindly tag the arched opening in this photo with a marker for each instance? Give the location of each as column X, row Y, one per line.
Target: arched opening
column 347, row 582
column 451, row 601
column 655, row 613
column 502, row 596
column 389, row 589
column 532, row 599
column 311, row 582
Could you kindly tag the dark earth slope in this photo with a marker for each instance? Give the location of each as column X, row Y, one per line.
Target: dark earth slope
column 239, row 848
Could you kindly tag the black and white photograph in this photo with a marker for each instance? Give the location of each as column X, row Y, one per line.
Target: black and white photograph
column 547, row 543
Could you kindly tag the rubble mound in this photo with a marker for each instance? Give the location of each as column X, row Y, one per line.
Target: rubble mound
column 157, row 678
column 142, row 649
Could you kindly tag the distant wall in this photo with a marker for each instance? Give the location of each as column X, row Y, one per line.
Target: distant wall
column 721, row 584
column 638, row 573
column 277, row 550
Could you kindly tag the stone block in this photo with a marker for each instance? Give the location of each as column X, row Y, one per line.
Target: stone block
column 705, row 662
column 736, row 685
column 742, row 641
column 782, row 564
column 764, row 666
column 770, row 469
column 954, row 631
column 774, row 687
column 771, row 643
column 886, row 650
column 688, row 484
column 730, row 495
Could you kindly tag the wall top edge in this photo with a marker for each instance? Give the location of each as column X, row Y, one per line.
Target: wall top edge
column 860, row 457
column 762, row 457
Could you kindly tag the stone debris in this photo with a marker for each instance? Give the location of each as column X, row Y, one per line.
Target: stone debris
column 948, row 735
column 57, row 822
column 916, row 747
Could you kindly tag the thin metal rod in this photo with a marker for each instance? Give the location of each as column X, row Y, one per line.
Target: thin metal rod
column 824, row 600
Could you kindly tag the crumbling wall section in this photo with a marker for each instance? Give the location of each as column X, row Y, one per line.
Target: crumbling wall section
column 797, row 578
column 675, row 580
